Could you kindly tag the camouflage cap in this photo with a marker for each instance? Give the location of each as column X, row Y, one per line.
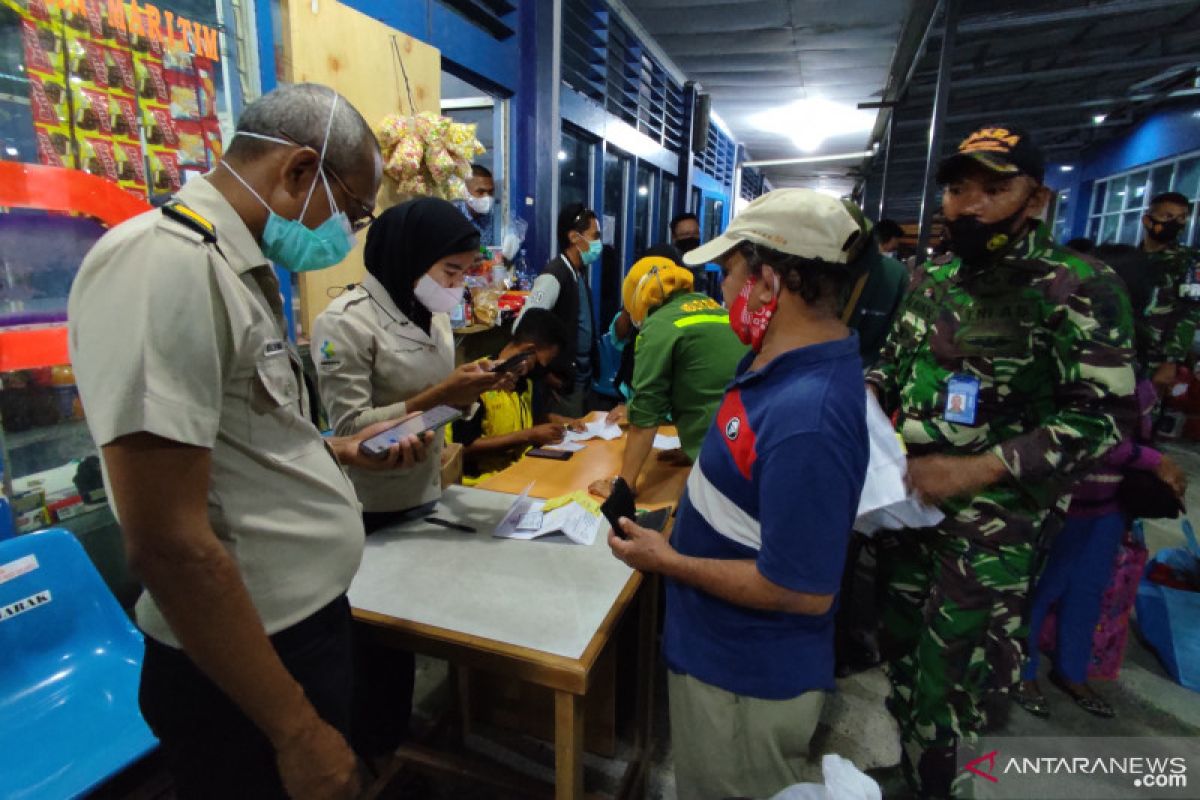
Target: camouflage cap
column 1003, row 149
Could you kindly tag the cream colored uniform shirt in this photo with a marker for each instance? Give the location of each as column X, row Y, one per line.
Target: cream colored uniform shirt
column 184, row 339
column 370, row 359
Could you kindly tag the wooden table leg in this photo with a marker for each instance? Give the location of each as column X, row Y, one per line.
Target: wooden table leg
column 568, row 746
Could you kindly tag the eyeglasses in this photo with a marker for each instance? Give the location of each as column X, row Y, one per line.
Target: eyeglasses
column 368, row 209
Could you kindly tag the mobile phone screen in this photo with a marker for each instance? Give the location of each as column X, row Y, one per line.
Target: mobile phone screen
column 377, row 446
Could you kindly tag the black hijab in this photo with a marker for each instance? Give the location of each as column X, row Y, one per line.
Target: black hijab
column 407, row 240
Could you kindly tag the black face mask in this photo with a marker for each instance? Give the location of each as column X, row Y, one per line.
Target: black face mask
column 1164, row 232
column 978, row 242
column 688, row 244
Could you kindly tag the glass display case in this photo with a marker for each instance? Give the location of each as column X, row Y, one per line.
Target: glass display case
column 49, row 217
column 51, row 469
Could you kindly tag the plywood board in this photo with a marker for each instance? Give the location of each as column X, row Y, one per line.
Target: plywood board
column 330, row 43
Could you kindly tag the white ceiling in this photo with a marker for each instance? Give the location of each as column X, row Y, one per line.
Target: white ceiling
column 756, row 57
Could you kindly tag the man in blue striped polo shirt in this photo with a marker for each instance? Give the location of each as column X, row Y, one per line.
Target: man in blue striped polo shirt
column 756, row 557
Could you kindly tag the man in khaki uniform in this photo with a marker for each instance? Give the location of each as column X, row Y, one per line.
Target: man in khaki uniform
column 235, row 513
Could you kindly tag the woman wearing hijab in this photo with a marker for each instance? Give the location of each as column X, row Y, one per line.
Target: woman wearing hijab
column 384, row 349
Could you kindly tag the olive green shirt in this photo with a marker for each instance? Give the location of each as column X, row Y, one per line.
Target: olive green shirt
column 686, row 356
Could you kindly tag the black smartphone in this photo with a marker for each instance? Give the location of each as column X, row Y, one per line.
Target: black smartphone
column 619, row 504
column 511, row 364
column 655, row 520
column 379, row 444
column 545, row 452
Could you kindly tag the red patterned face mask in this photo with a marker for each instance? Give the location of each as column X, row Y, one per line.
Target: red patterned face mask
column 751, row 326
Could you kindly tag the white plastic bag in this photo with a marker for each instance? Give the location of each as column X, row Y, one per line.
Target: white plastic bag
column 843, row 781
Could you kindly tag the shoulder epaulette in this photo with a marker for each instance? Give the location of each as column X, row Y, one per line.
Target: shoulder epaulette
column 190, row 219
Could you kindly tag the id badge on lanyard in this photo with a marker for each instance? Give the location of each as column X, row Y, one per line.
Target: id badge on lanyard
column 962, row 399
column 1190, row 288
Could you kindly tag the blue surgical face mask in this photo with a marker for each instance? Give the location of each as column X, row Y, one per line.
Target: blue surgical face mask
column 289, row 242
column 589, row 256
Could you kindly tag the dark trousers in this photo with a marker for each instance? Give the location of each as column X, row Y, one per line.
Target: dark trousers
column 212, row 749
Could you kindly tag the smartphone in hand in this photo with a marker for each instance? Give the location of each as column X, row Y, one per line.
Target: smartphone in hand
column 511, row 364
column 619, row 504
column 379, row 444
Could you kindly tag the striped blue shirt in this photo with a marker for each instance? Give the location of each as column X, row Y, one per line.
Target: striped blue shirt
column 777, row 481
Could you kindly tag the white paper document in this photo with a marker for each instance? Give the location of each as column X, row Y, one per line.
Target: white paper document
column 526, row 520
column 663, row 442
column 595, row 430
column 885, row 501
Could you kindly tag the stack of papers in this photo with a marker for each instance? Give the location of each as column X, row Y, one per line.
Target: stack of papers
column 663, row 442
column 885, row 501
column 573, row 442
column 577, row 518
column 595, row 430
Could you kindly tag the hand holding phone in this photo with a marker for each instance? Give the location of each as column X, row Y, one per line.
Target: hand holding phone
column 377, row 446
column 619, row 504
column 514, row 363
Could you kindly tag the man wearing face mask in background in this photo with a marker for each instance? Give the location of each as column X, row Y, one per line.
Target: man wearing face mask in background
column 564, row 288
column 1170, row 320
column 479, row 206
column 685, row 232
column 235, row 514
column 685, row 236
column 1037, row 340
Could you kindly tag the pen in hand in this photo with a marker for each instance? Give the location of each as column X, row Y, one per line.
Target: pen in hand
column 448, row 524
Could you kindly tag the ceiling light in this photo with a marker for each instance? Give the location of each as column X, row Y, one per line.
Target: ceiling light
column 1099, row 119
column 810, row 122
column 12, row 151
column 643, row 191
column 1066, row 168
column 562, row 155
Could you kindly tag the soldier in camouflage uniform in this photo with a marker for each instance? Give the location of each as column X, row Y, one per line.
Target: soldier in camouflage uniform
column 1170, row 321
column 1010, row 366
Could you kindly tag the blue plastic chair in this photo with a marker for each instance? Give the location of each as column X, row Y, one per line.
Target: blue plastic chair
column 69, row 665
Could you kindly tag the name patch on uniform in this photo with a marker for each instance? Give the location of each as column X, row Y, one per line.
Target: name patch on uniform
column 962, row 399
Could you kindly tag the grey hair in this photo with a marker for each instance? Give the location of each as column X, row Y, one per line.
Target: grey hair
column 300, row 111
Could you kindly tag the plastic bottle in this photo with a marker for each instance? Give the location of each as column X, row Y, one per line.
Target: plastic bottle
column 64, row 391
column 524, row 278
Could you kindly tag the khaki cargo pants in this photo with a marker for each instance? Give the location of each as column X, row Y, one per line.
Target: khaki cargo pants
column 727, row 745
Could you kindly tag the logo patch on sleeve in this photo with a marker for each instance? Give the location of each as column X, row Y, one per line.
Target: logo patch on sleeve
column 734, row 423
column 328, row 355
